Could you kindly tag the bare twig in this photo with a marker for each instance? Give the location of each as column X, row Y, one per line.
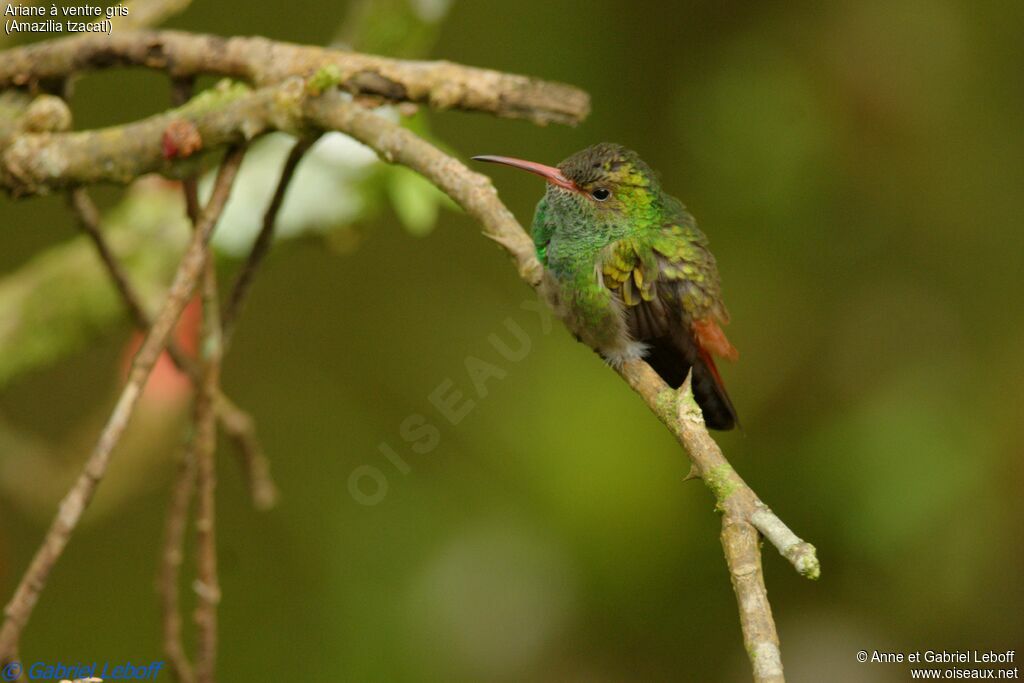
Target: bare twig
column 19, row 609
column 743, row 512
column 239, row 426
column 171, row 558
column 442, row 85
column 181, row 92
column 801, row 554
column 89, row 221
column 263, row 241
column 207, row 584
column 185, row 481
column 190, row 189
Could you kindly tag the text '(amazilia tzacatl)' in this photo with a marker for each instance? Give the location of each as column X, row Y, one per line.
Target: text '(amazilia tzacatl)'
column 629, row 272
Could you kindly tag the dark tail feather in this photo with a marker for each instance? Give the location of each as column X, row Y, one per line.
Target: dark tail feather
column 673, row 365
column 713, row 399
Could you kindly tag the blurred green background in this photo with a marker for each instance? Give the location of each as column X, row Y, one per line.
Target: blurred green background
column 859, row 168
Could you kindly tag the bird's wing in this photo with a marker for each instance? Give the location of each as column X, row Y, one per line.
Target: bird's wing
column 668, row 279
column 668, row 284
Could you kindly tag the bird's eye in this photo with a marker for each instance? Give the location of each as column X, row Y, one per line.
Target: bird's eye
column 600, row 194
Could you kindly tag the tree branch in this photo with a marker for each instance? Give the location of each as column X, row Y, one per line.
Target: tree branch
column 743, row 512
column 440, row 84
column 19, row 609
column 171, row 558
column 207, row 584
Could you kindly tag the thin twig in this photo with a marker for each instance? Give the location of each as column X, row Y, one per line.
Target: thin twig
column 263, row 241
column 171, row 558
column 19, row 609
column 239, row 426
column 190, row 189
column 89, row 221
column 181, row 92
column 185, row 481
column 801, row 554
column 207, row 584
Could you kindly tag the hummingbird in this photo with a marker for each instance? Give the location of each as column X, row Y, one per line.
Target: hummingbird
column 630, row 273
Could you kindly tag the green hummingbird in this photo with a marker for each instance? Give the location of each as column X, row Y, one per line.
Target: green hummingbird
column 629, row 272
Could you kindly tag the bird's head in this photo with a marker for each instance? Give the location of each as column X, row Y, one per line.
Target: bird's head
column 603, row 182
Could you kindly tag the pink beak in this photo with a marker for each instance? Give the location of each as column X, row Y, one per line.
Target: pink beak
column 549, row 173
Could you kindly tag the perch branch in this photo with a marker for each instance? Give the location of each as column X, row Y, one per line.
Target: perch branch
column 26, row 595
column 440, row 84
column 743, row 512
